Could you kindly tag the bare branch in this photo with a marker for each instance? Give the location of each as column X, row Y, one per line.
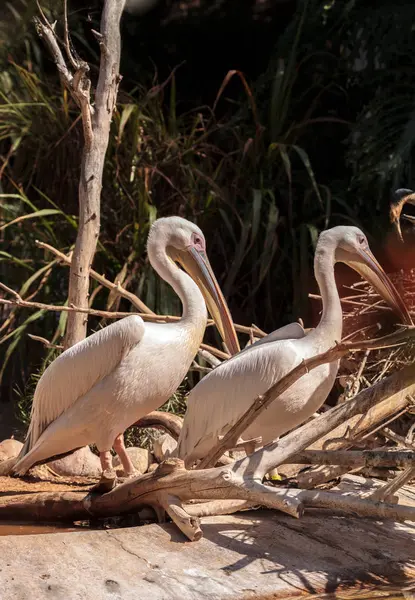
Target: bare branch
column 109, row 78
column 18, row 301
column 189, row 525
column 44, row 341
column 353, row 431
column 218, row 507
column 81, row 91
column 71, row 59
column 398, row 439
column 47, row 33
column 170, row 486
column 209, row 358
column 115, row 287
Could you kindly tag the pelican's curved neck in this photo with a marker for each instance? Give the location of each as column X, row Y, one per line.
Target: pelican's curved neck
column 330, row 326
column 194, row 310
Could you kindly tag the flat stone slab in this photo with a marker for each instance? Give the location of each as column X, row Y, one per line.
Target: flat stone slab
column 256, row 554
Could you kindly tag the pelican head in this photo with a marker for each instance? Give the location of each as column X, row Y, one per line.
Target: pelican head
column 184, row 243
column 351, row 247
column 400, row 198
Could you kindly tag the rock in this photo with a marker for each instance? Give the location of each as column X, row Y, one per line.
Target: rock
column 163, row 447
column 140, row 457
column 81, row 463
column 254, row 554
column 9, row 449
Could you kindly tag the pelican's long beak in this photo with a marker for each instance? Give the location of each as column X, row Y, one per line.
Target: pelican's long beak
column 368, row 267
column 197, row 265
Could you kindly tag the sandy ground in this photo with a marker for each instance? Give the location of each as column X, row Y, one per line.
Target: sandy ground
column 14, row 485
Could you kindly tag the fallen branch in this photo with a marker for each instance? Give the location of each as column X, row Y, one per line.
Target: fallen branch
column 398, row 439
column 170, row 485
column 356, row 458
column 350, row 433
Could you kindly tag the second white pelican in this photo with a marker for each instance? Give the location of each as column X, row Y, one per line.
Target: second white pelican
column 97, row 388
column 226, row 393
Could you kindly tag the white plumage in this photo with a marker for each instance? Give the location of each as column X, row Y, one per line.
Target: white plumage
column 225, row 394
column 94, row 390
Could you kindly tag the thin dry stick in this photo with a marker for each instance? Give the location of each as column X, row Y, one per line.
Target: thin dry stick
column 388, row 490
column 45, row 342
column 391, row 435
column 230, row 439
column 18, row 301
column 352, row 302
column 71, row 59
column 115, row 287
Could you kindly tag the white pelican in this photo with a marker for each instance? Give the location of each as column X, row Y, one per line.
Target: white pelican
column 225, row 394
column 97, row 388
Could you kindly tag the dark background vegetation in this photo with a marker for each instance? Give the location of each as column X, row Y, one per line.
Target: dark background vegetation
column 264, row 121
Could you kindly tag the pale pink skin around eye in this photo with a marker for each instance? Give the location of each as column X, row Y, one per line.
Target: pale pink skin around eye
column 198, row 243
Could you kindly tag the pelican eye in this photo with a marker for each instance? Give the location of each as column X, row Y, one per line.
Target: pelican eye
column 198, row 241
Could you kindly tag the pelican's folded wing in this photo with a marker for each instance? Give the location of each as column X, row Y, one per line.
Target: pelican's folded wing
column 226, row 393
column 292, row 331
column 78, row 369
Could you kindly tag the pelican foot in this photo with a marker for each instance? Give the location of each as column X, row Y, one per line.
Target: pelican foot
column 107, row 482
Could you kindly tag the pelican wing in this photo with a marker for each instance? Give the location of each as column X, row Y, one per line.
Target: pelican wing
column 226, row 393
column 292, row 331
column 77, row 370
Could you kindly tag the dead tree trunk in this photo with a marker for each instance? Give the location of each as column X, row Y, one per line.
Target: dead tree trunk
column 96, row 122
